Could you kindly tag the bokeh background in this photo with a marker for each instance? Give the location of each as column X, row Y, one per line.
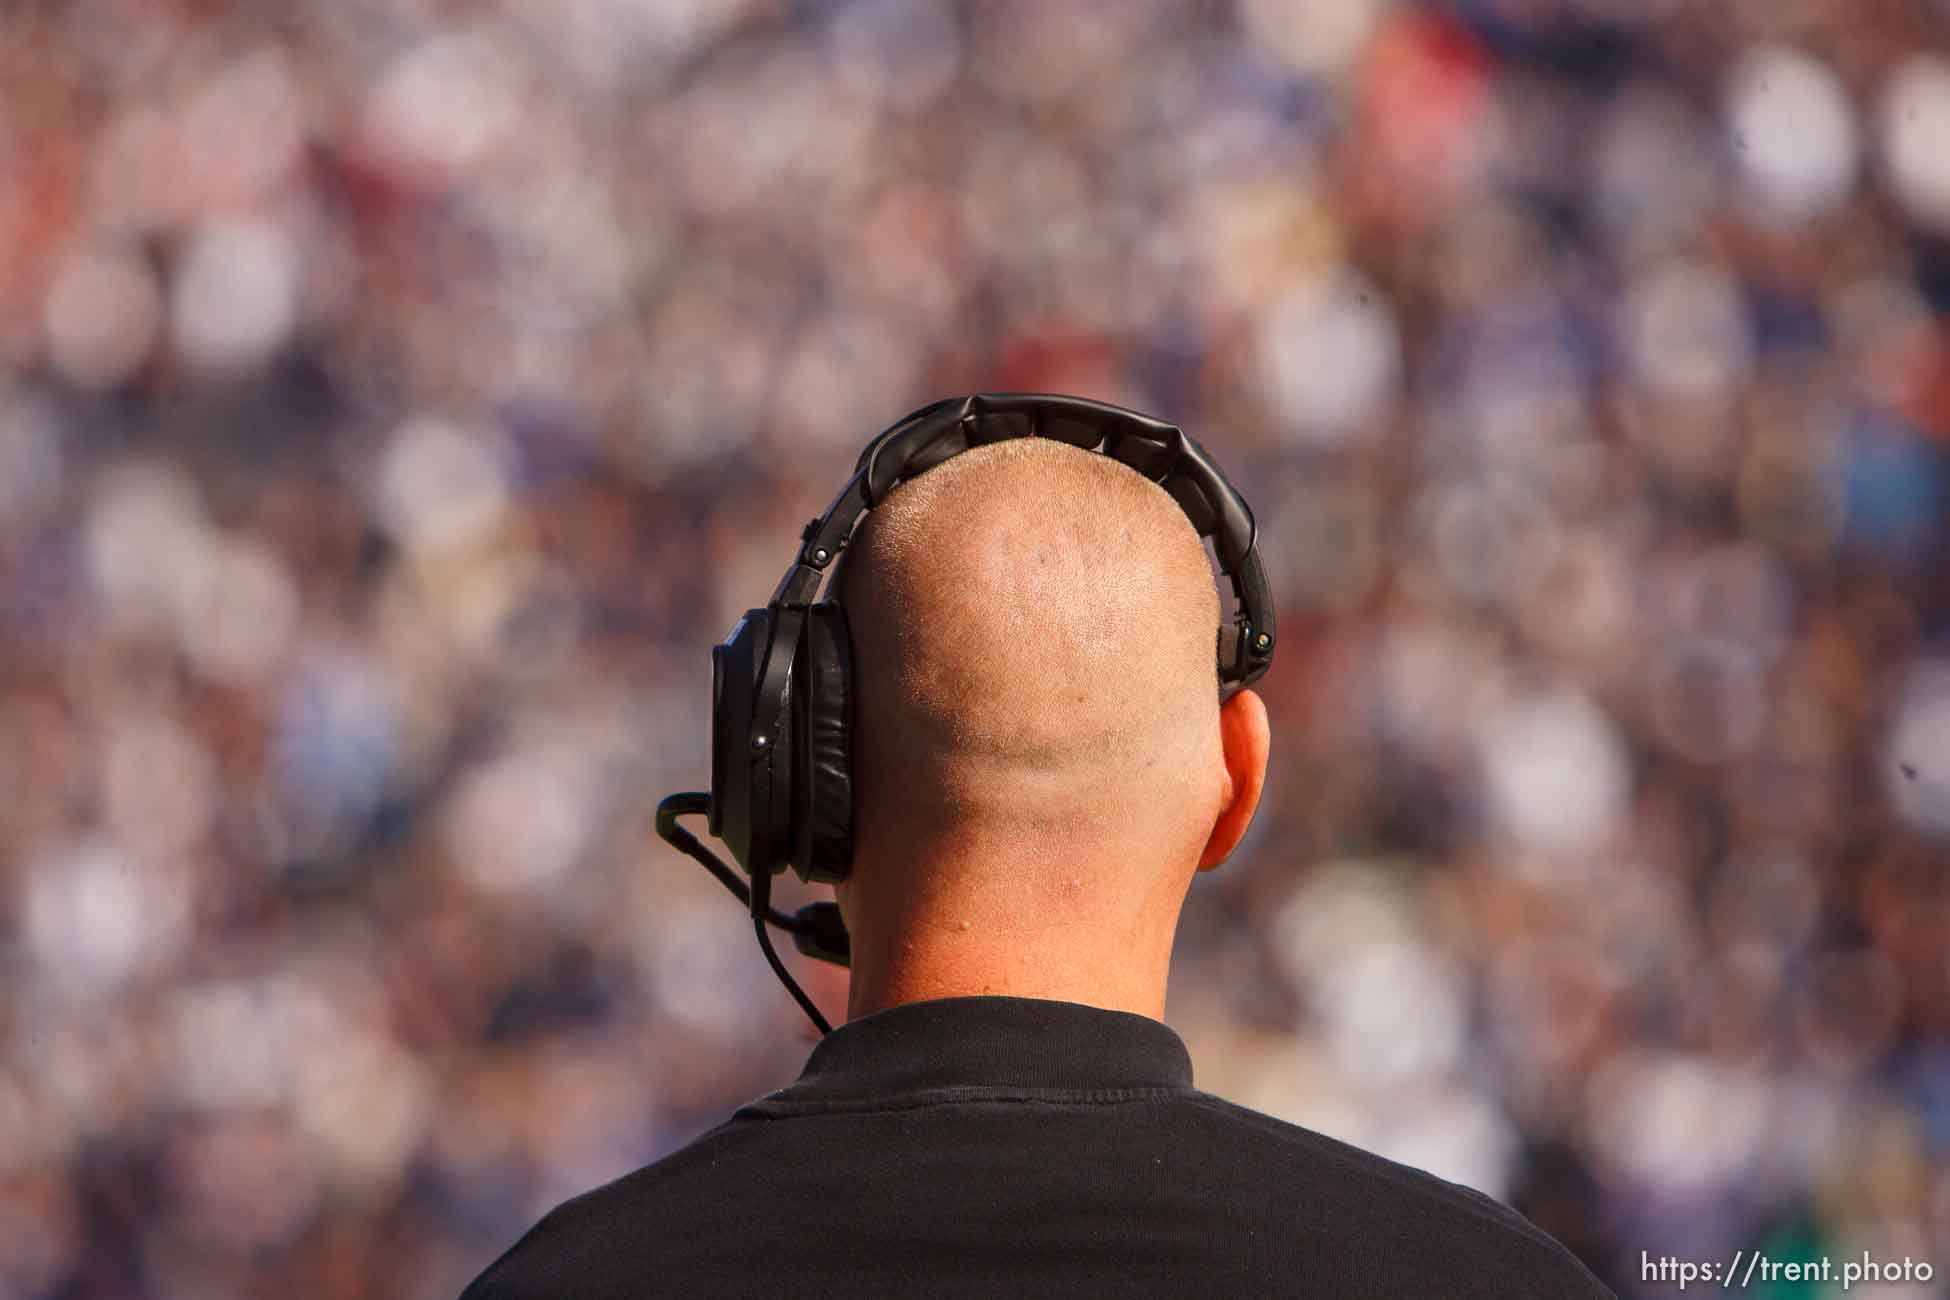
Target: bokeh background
column 397, row 399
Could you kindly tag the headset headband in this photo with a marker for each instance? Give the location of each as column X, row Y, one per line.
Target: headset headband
column 1161, row 452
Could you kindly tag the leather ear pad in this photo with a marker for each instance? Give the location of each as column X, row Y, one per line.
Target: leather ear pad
column 735, row 669
column 823, row 800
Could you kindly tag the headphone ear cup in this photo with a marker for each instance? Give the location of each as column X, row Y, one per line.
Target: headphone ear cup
column 822, row 839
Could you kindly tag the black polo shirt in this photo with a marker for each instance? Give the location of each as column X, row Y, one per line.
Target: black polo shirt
column 1010, row 1147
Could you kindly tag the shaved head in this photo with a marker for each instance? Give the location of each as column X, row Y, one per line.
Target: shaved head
column 1035, row 666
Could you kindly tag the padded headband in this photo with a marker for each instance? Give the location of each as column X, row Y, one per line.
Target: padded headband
column 1161, row 452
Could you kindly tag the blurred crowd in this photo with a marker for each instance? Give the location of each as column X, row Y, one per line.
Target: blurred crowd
column 398, row 397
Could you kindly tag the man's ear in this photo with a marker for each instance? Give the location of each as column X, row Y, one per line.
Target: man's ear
column 1246, row 739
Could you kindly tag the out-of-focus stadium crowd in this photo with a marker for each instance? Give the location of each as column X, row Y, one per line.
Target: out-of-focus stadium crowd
column 397, row 399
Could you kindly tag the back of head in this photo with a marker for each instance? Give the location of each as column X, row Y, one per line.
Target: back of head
column 1036, row 683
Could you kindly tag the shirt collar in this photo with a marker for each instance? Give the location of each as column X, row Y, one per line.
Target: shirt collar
column 991, row 1042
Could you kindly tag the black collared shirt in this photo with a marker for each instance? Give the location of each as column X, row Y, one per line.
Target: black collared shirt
column 1009, row 1147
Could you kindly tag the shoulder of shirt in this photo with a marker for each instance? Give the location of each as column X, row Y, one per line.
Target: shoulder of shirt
column 514, row 1275
column 1466, row 1209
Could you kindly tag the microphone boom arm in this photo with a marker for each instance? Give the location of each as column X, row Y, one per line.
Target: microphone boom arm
column 816, row 928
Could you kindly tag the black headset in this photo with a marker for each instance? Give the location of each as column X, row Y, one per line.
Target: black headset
column 782, row 681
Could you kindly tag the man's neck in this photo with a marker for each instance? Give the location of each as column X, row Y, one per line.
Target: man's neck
column 928, row 964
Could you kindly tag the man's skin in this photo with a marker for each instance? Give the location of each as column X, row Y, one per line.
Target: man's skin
column 1042, row 762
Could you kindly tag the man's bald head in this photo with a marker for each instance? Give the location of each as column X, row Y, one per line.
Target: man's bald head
column 1035, row 665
